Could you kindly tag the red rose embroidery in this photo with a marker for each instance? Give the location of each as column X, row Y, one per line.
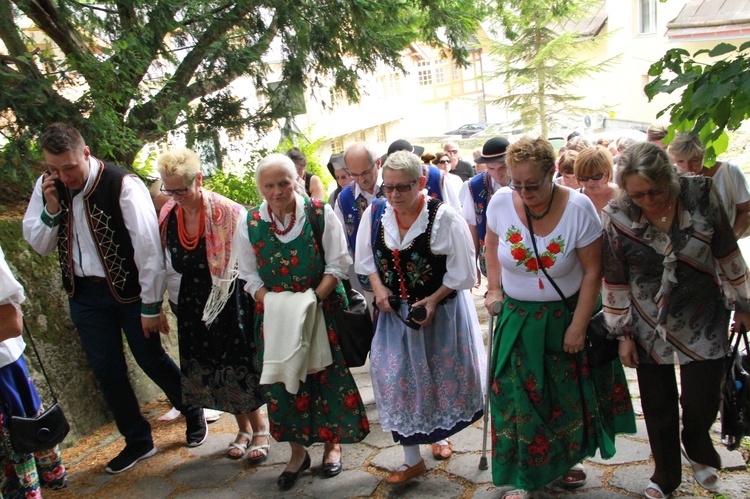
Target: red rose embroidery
column 553, row 248
column 294, row 261
column 273, row 408
column 350, row 401
column 277, row 289
column 284, row 270
column 332, row 339
column 531, row 264
column 519, row 254
column 256, row 215
column 325, row 434
column 515, row 238
column 547, row 261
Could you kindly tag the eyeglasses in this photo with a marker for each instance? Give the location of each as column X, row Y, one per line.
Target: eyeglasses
column 444, row 161
column 530, row 187
column 596, row 178
column 652, row 193
column 178, row 192
column 355, row 176
column 453, row 151
column 388, row 188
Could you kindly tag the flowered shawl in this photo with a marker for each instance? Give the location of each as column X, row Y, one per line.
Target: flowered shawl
column 221, row 219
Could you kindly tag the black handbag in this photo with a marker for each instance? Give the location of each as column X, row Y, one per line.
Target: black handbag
column 355, row 329
column 600, row 350
column 735, row 396
column 43, row 431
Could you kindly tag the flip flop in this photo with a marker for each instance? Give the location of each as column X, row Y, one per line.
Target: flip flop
column 242, row 447
column 576, row 471
column 703, row 474
column 655, row 487
column 263, row 449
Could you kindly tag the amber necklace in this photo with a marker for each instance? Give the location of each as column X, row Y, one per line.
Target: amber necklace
column 541, row 216
column 188, row 241
column 407, row 227
column 274, row 228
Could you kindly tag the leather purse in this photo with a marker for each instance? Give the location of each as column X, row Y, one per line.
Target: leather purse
column 600, row 350
column 43, row 431
column 354, row 324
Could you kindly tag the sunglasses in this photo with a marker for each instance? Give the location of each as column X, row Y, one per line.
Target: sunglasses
column 651, row 193
column 388, row 188
column 530, row 187
column 178, row 192
column 446, row 161
column 596, row 178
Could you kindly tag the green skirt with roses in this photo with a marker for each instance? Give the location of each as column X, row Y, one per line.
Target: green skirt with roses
column 549, row 410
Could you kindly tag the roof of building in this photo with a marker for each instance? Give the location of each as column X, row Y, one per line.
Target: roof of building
column 701, row 19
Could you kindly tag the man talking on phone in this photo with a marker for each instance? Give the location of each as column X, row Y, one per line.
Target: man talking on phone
column 101, row 219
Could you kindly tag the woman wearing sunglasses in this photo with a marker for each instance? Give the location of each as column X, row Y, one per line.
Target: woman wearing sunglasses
column 593, row 170
column 549, row 409
column 443, row 161
column 427, row 374
column 666, row 241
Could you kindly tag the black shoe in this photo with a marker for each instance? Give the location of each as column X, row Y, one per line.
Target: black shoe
column 197, row 429
column 289, row 478
column 330, row 470
column 130, row 455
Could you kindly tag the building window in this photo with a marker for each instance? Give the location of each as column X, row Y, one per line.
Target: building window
column 337, row 145
column 380, row 133
column 359, row 136
column 439, row 75
column 455, row 73
column 424, row 75
column 647, row 17
column 395, row 82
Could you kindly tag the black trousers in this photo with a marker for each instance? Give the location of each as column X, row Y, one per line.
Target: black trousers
column 700, row 396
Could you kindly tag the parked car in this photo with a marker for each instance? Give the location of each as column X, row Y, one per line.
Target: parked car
column 467, row 130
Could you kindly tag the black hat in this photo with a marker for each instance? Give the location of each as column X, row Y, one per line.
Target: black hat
column 404, row 145
column 493, row 151
column 336, row 160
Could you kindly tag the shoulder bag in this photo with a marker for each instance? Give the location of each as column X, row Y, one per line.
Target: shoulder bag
column 43, row 431
column 599, row 348
column 735, row 396
column 355, row 329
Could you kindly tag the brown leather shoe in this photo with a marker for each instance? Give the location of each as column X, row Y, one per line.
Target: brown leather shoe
column 442, row 452
column 410, row 472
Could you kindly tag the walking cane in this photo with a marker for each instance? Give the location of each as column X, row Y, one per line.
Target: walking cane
column 497, row 307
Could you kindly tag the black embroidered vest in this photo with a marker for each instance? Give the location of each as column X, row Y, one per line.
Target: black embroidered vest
column 413, row 272
column 111, row 236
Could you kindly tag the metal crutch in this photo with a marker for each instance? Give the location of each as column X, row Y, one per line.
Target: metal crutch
column 497, row 307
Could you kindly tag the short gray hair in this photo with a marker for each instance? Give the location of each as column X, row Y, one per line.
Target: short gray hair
column 405, row 161
column 651, row 163
column 372, row 153
column 276, row 159
column 686, row 146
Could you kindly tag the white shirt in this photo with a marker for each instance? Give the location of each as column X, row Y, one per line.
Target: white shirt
column 450, row 236
column 11, row 293
column 140, row 220
column 369, row 196
column 467, row 210
column 334, row 244
column 731, row 184
column 579, row 226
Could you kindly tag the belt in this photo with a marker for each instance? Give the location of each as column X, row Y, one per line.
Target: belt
column 92, row 278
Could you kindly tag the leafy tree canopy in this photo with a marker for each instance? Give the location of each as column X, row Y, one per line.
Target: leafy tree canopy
column 538, row 60
column 715, row 97
column 127, row 72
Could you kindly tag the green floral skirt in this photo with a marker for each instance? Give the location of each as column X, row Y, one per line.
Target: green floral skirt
column 549, row 410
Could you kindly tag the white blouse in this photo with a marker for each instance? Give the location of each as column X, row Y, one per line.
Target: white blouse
column 11, row 293
column 450, row 237
column 334, row 244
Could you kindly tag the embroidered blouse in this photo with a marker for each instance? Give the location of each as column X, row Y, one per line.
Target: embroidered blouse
column 673, row 291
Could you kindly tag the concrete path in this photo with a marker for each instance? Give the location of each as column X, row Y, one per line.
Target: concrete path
column 205, row 472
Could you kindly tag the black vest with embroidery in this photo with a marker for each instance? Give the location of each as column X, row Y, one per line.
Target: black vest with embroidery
column 413, row 272
column 111, row 236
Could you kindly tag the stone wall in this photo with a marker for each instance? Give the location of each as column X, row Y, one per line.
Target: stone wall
column 47, row 315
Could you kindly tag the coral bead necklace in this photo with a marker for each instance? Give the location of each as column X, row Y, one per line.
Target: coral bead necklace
column 274, row 228
column 407, row 227
column 187, row 240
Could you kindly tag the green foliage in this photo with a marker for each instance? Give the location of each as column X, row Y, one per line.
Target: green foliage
column 715, row 96
column 128, row 72
column 237, row 187
column 537, row 60
column 310, row 150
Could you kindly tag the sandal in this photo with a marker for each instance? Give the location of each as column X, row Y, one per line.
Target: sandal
column 515, row 493
column 263, row 449
column 240, row 446
column 575, row 477
column 655, row 487
column 703, row 474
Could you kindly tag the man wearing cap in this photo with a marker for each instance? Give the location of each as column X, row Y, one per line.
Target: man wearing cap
column 481, row 189
column 458, row 166
column 437, row 186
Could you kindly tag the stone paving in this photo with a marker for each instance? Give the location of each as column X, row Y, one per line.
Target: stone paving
column 180, row 472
